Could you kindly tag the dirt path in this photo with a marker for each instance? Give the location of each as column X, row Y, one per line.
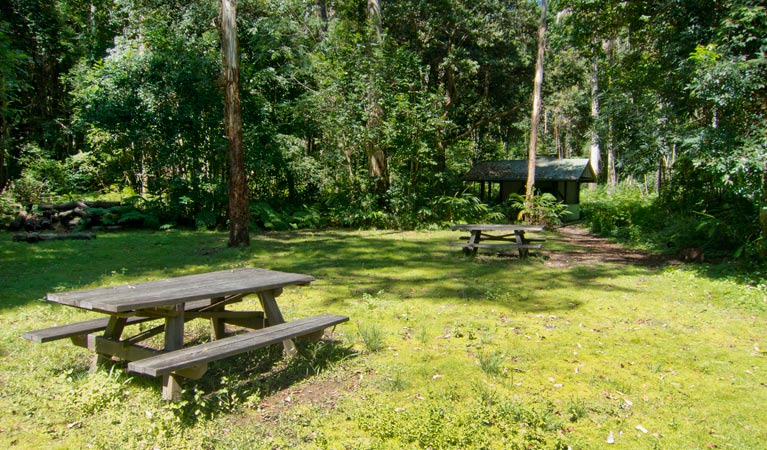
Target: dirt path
column 594, row 249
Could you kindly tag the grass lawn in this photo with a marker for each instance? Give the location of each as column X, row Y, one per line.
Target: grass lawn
column 442, row 351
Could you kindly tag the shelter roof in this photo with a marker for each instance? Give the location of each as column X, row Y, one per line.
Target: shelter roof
column 546, row 169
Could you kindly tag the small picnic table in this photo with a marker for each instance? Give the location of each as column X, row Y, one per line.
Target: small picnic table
column 510, row 236
column 176, row 301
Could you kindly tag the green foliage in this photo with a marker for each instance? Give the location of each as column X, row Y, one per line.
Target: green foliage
column 546, row 210
column 463, row 207
column 128, row 93
column 723, row 227
column 621, row 212
column 9, row 209
column 150, row 112
column 448, row 422
column 104, row 390
column 266, row 217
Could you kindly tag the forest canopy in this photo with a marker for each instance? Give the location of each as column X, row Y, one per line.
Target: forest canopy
column 367, row 112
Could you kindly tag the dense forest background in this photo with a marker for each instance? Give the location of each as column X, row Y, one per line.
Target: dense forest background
column 367, row 112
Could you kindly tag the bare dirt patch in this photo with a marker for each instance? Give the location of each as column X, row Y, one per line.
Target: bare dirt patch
column 322, row 393
column 593, row 250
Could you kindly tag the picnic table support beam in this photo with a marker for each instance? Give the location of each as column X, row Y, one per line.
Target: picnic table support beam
column 274, row 316
column 114, row 330
column 174, row 340
column 217, row 326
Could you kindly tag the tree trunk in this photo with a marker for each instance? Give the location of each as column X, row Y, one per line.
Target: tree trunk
column 323, row 7
column 612, row 176
column 595, row 153
column 239, row 219
column 5, row 133
column 377, row 163
column 536, row 114
column 763, row 210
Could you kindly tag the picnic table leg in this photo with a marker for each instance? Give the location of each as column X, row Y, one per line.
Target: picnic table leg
column 473, row 239
column 520, row 236
column 274, row 316
column 113, row 331
column 174, row 340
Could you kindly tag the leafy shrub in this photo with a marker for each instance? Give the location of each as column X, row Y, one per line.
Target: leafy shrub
column 307, row 217
column 80, row 173
column 28, row 190
column 9, row 209
column 627, row 213
column 464, row 207
column 124, row 215
column 621, row 212
column 546, row 209
column 364, row 212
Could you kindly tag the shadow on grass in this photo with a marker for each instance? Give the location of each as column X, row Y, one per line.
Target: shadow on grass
column 411, row 265
column 258, row 374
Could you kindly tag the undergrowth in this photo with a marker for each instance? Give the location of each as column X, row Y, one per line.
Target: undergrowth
column 635, row 217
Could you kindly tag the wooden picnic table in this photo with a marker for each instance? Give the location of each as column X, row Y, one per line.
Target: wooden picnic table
column 176, row 301
column 510, row 236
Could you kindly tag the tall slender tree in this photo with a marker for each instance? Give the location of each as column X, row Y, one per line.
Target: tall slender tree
column 239, row 217
column 536, row 114
column 377, row 163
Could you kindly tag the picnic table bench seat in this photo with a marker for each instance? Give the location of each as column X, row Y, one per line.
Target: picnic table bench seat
column 74, row 329
column 90, row 326
column 173, row 361
column 501, row 246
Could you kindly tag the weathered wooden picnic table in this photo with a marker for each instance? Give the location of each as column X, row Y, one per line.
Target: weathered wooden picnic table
column 510, row 236
column 176, row 301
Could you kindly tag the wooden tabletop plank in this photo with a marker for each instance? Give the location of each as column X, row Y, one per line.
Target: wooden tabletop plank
column 496, row 227
column 171, row 291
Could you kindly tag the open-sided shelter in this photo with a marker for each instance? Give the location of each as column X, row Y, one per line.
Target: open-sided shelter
column 559, row 177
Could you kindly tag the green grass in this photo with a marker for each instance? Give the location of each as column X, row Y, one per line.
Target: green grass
column 442, row 351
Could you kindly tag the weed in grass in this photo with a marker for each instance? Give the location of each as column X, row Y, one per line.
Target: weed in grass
column 485, row 394
column 576, row 409
column 497, row 294
column 316, row 357
column 395, row 380
column 99, row 391
column 423, row 335
column 492, row 363
column 371, row 300
column 372, row 336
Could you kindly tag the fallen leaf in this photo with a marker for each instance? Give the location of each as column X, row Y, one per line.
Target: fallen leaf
column 641, row 428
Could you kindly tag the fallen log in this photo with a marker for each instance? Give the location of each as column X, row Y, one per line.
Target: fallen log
column 61, row 206
column 37, row 237
column 77, row 204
